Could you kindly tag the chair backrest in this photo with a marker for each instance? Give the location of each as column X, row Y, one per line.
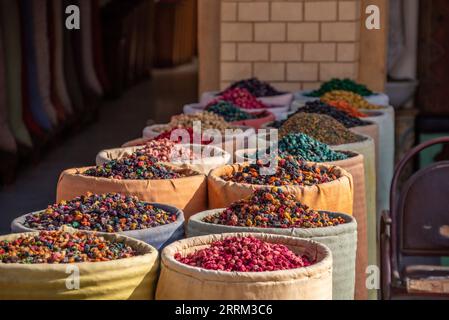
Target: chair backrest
column 423, row 212
column 420, row 212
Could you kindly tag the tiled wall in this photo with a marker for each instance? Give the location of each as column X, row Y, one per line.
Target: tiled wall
column 295, row 44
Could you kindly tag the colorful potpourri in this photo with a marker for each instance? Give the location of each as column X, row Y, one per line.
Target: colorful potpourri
column 229, row 111
column 112, row 212
column 352, row 99
column 341, row 84
column 166, row 150
column 272, row 208
column 320, row 127
column 346, row 107
column 348, row 118
column 256, row 87
column 60, row 247
column 178, row 138
column 137, row 166
column 308, row 149
column 244, row 254
column 208, row 120
column 241, row 98
column 289, row 171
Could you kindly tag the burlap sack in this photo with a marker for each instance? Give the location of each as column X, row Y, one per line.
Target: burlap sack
column 334, row 196
column 188, row 194
column 341, row 240
column 181, row 282
column 202, row 164
column 157, row 237
column 133, row 278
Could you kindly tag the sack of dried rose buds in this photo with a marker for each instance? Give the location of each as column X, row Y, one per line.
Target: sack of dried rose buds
column 217, row 267
column 275, row 211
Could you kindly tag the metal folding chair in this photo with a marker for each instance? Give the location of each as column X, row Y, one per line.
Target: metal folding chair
column 417, row 225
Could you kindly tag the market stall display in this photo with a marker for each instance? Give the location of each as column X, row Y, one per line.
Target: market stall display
column 179, row 281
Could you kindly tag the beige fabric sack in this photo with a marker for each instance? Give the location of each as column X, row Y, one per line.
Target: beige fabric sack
column 178, row 281
column 188, row 194
column 341, row 240
column 367, row 149
column 132, row 278
column 334, row 196
column 371, row 131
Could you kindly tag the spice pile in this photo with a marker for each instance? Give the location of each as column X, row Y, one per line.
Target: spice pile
column 111, row 212
column 343, row 116
column 320, row 127
column 354, row 100
column 242, row 98
column 174, row 136
column 208, row 120
column 245, row 254
column 272, row 208
column 290, row 171
column 228, row 111
column 256, row 87
column 58, row 247
column 341, row 84
column 308, row 149
column 137, row 166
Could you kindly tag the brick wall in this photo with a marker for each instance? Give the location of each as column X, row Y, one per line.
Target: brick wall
column 294, row 44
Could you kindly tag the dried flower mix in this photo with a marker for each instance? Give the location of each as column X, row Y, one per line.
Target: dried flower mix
column 272, row 208
column 320, row 127
column 256, row 87
column 306, row 148
column 346, row 107
column 244, row 254
column 171, row 134
column 228, row 111
column 111, row 212
column 166, row 150
column 289, row 171
column 354, row 100
column 241, row 98
column 347, row 117
column 137, row 166
column 59, row 247
column 341, row 84
column 208, row 120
